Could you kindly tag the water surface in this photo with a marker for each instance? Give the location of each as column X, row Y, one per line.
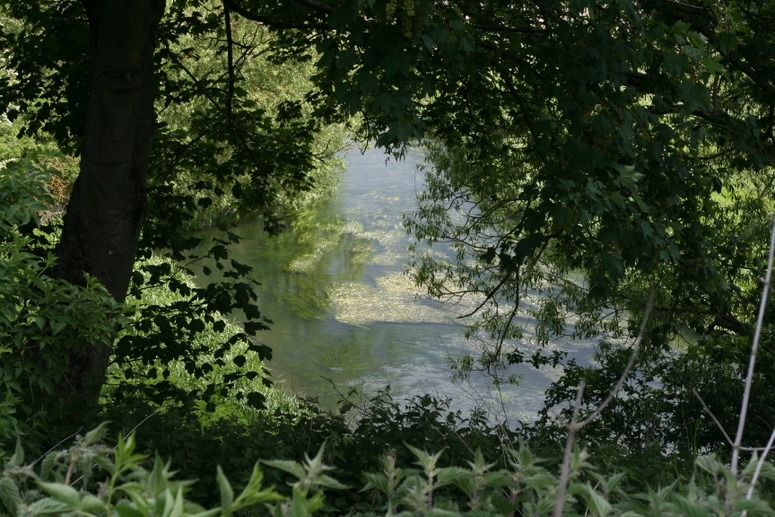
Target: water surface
column 345, row 313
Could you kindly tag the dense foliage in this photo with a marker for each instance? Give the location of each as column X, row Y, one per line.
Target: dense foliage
column 599, row 167
column 89, row 478
column 590, row 160
column 228, row 145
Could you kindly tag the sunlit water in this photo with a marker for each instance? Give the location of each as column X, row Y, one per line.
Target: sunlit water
column 345, row 313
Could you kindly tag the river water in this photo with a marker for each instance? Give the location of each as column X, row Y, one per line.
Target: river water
column 346, row 315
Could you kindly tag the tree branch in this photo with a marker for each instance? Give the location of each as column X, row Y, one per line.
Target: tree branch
column 574, row 426
column 752, row 359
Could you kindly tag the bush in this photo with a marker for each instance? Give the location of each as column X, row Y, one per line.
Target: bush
column 42, row 319
column 89, row 478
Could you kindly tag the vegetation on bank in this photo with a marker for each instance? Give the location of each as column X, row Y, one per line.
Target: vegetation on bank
column 69, row 482
column 614, row 157
column 227, row 434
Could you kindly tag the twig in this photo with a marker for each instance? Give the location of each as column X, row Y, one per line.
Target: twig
column 141, row 422
column 752, row 359
column 760, row 465
column 713, row 417
column 63, row 440
column 574, row 426
column 721, row 428
column 72, row 464
column 630, row 364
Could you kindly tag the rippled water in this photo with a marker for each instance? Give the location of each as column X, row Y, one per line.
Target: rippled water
column 345, row 313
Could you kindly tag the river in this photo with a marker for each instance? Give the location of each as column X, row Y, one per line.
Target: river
column 346, row 315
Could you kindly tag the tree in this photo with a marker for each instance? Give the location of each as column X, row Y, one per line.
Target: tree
column 624, row 140
column 103, row 105
column 597, row 154
column 107, row 206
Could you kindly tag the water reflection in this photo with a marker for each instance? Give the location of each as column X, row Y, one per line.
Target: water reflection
column 343, row 310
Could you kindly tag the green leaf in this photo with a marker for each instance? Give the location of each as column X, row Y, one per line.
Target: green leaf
column 62, row 492
column 424, row 459
column 18, row 454
column 713, row 64
column 327, row 481
column 754, row 506
column 254, row 493
column 123, row 509
column 448, row 475
column 256, row 400
column 49, row 507
column 595, row 501
column 227, row 494
column 709, row 463
column 376, row 481
column 96, row 435
column 290, row 467
column 173, row 506
column 57, row 326
column 92, row 504
column 9, row 494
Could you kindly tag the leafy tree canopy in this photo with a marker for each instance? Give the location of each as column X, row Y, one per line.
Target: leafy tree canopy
column 629, row 143
column 586, row 157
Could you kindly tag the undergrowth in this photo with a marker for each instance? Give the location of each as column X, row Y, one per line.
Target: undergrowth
column 90, row 478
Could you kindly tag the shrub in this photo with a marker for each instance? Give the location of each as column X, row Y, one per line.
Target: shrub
column 42, row 319
column 89, row 478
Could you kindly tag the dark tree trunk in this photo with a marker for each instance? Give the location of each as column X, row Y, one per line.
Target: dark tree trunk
column 105, row 213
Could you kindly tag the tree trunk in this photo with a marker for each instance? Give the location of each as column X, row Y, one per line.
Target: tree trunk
column 105, row 213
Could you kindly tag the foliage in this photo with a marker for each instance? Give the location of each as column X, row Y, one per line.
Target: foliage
column 179, row 348
column 362, row 433
column 41, row 319
column 663, row 418
column 229, row 144
column 584, row 158
column 603, row 163
column 127, row 488
column 258, row 153
column 236, row 136
column 587, row 157
column 91, row 479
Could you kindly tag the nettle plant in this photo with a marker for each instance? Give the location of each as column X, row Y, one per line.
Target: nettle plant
column 88, row 478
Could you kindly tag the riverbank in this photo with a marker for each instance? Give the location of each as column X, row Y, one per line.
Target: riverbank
column 346, row 315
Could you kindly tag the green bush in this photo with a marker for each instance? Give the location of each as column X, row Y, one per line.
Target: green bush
column 202, row 364
column 89, row 478
column 42, row 319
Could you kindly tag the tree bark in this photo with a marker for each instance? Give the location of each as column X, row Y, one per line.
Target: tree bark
column 105, row 213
